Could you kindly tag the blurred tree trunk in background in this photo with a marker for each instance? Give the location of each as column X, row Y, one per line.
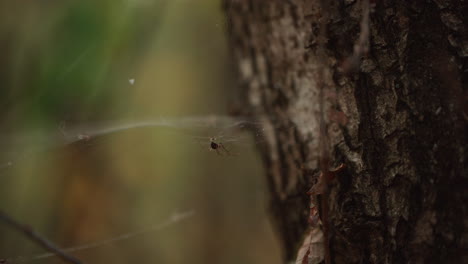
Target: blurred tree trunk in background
column 402, row 198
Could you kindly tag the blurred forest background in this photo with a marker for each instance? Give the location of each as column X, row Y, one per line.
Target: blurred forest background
column 65, row 63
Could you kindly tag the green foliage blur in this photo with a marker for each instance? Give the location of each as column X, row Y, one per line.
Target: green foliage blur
column 72, row 62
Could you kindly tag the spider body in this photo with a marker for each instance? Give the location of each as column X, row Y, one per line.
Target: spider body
column 214, row 145
column 218, row 147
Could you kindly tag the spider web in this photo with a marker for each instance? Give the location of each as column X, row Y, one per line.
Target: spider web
column 233, row 131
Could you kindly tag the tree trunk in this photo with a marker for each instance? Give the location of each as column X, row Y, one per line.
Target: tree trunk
column 404, row 140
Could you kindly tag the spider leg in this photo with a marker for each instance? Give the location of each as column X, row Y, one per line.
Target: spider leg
column 224, row 149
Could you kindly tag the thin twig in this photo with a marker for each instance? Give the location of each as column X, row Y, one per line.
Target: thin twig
column 38, row 239
column 175, row 218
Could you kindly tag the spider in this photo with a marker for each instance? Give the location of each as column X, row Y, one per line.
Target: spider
column 218, row 147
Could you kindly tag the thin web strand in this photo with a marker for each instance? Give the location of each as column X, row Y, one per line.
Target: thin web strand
column 221, row 125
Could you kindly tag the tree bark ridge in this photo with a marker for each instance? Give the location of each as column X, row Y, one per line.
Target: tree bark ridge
column 401, row 198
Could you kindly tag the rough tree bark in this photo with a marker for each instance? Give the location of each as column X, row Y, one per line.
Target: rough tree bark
column 402, row 198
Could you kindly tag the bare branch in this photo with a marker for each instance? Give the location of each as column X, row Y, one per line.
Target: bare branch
column 173, row 219
column 38, row 239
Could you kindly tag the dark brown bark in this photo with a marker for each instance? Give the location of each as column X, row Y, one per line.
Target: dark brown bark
column 401, row 199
